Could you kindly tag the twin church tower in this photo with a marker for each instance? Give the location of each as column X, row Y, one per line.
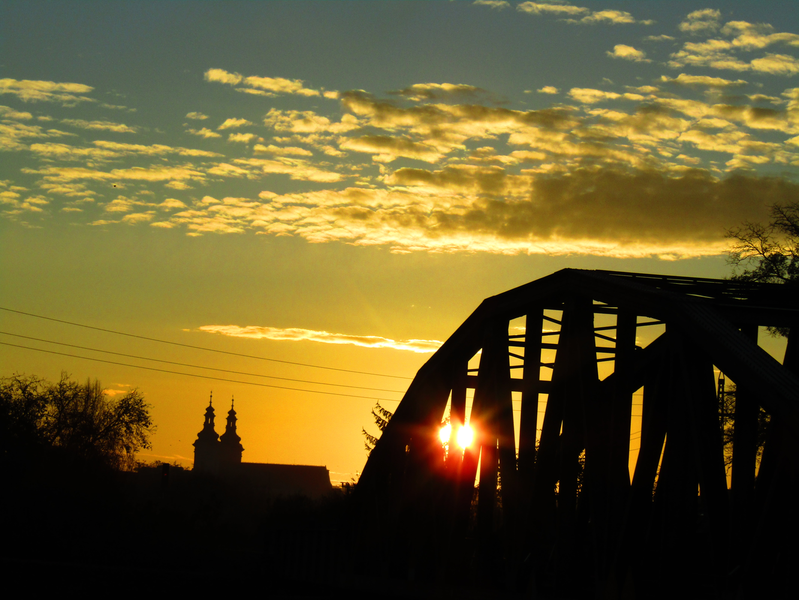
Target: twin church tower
column 217, row 454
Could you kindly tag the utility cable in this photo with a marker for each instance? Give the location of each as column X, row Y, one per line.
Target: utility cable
column 279, row 387
column 180, row 364
column 149, row 339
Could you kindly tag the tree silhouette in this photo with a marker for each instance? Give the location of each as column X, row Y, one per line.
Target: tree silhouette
column 767, row 253
column 78, row 420
column 381, row 416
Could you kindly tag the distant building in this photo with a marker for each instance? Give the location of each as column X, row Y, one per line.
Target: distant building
column 220, row 456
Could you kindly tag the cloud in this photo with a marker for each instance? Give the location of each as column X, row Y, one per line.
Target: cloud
column 6, row 112
column 697, row 81
column 282, row 150
column 569, row 12
column 540, row 8
column 613, row 17
column 102, row 150
column 234, row 123
column 99, row 125
column 13, row 134
column 440, row 91
column 627, row 53
column 387, row 149
column 308, row 335
column 46, row 91
column 197, row 116
column 494, row 4
column 701, row 21
column 204, row 132
column 296, row 121
column 245, row 138
column 548, row 89
column 268, row 86
column 157, row 173
column 743, row 37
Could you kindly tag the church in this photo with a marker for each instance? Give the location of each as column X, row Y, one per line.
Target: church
column 220, row 456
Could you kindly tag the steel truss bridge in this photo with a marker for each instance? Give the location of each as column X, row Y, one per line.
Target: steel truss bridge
column 601, row 364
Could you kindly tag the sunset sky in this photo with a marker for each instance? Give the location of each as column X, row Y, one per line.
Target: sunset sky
column 340, row 184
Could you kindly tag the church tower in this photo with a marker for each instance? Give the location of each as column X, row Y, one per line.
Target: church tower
column 206, row 447
column 230, row 447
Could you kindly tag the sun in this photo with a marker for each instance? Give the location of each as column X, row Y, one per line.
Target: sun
column 464, row 436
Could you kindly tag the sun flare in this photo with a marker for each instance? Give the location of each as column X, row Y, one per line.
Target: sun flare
column 465, row 436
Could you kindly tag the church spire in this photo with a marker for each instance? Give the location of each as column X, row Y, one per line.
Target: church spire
column 206, row 447
column 230, row 442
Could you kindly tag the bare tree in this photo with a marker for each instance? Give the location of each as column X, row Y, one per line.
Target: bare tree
column 767, row 253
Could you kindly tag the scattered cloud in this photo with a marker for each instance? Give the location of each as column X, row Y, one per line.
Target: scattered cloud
column 701, row 21
column 99, row 125
column 245, row 138
column 46, row 91
column 267, row 86
column 495, row 4
column 440, row 91
column 541, row 8
column 234, row 123
column 294, row 334
column 627, row 53
column 196, row 116
column 548, row 89
column 204, row 132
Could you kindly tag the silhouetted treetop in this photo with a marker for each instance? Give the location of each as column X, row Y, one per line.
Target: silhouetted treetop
column 80, row 420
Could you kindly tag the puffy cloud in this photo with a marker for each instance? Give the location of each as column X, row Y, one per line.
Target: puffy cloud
column 294, row 334
column 6, row 112
column 701, row 21
column 721, row 53
column 204, row 132
column 197, row 116
column 387, row 149
column 627, row 53
column 99, row 125
column 686, row 80
column 494, row 4
column 591, row 96
column 548, row 89
column 234, row 123
column 540, row 8
column 440, row 91
column 282, row 150
column 307, row 122
column 245, row 138
column 153, row 150
column 14, row 133
column 268, row 86
column 614, row 17
column 105, row 150
column 134, row 218
column 157, row 173
column 46, row 91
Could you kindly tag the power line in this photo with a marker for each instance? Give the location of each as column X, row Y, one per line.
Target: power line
column 149, row 339
column 279, row 387
column 180, row 364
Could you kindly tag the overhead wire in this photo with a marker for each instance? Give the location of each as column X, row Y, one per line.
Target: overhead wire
column 180, row 364
column 205, row 348
column 280, row 387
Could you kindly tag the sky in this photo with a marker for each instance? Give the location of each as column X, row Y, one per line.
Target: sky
column 304, row 199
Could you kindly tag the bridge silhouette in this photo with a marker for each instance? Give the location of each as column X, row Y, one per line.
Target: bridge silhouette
column 564, row 507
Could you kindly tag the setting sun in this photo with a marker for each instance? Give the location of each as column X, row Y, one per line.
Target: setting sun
column 444, row 433
column 465, row 436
